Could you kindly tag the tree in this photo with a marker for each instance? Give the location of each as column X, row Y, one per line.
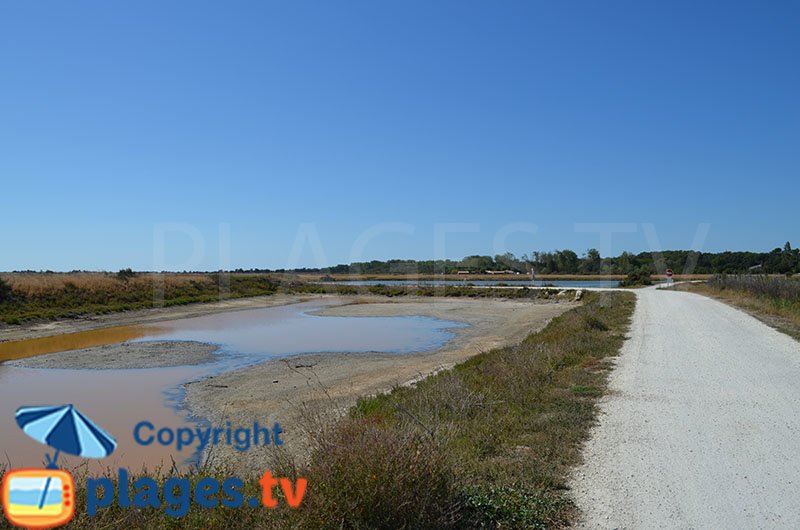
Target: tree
column 544, row 262
column 789, row 260
column 477, row 263
column 509, row 261
column 592, row 262
column 784, row 259
column 625, row 262
column 567, row 261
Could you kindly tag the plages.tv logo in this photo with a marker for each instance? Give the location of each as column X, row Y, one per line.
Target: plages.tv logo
column 44, row 498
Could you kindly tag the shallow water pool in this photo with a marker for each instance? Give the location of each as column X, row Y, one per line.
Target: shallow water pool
column 118, row 399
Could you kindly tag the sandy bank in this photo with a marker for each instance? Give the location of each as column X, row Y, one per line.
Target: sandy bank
column 143, row 316
column 302, row 390
column 154, row 354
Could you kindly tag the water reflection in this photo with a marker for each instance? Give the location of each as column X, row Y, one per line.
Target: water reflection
column 278, row 331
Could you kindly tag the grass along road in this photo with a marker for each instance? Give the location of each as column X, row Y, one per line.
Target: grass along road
column 701, row 425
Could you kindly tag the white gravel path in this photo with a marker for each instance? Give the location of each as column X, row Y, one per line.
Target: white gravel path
column 701, row 428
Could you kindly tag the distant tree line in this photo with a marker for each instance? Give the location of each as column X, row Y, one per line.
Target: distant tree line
column 784, row 260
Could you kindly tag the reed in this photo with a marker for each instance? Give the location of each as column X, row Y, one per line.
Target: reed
column 772, row 287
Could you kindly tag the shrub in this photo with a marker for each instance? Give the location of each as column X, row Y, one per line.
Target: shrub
column 368, row 476
column 595, row 323
column 125, row 274
column 640, row 276
column 5, row 291
column 515, row 506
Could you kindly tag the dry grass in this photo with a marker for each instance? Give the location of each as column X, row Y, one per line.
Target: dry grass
column 38, row 284
column 38, row 296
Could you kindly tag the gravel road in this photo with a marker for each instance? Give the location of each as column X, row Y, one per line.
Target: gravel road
column 701, row 428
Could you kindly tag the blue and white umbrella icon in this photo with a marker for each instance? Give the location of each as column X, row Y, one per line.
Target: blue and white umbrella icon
column 64, row 428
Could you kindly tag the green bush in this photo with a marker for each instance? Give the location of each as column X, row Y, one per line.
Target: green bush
column 638, row 277
column 125, row 274
column 517, row 506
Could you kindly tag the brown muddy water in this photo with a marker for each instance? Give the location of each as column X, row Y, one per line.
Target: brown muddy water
column 19, row 349
column 118, row 399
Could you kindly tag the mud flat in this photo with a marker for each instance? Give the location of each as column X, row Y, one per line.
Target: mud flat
column 152, row 354
column 303, row 391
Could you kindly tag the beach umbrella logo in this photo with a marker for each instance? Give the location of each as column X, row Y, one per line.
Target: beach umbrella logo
column 42, row 498
column 66, row 430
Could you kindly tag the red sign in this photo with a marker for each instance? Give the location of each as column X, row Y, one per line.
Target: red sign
column 669, row 273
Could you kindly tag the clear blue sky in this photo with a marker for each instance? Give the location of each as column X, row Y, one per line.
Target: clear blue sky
column 302, row 128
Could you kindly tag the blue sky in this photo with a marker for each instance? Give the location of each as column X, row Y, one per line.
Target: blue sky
column 198, row 135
